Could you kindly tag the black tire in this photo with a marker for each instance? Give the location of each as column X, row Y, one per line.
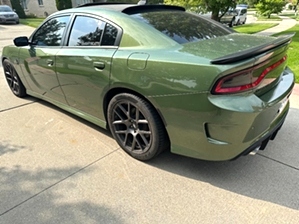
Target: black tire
column 231, row 24
column 238, row 23
column 136, row 126
column 244, row 21
column 13, row 80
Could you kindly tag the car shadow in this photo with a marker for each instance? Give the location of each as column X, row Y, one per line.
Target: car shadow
column 271, row 175
column 267, row 176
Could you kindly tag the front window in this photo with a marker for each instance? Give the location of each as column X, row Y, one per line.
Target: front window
column 51, row 32
column 182, row 27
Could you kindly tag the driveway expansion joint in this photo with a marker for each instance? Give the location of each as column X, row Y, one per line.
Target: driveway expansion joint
column 58, row 182
column 16, row 107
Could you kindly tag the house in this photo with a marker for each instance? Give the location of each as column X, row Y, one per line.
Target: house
column 43, row 8
column 5, row 2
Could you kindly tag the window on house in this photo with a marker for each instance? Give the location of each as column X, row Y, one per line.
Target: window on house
column 40, row 2
column 23, row 4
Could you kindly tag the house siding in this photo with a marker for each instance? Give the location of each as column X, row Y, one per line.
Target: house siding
column 5, row 2
column 48, row 7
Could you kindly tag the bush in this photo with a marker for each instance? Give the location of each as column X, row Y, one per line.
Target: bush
column 63, row 4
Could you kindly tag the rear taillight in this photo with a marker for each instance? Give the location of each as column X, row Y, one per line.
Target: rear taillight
column 243, row 80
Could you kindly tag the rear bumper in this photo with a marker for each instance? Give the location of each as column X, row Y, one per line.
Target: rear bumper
column 226, row 127
column 263, row 142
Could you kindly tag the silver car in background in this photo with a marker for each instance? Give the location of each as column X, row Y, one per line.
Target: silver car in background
column 7, row 15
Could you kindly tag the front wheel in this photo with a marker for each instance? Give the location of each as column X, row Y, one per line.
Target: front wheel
column 136, row 126
column 13, row 80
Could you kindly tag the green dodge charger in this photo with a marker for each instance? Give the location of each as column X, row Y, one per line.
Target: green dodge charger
column 158, row 78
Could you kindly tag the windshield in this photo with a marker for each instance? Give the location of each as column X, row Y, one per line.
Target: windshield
column 5, row 9
column 182, row 27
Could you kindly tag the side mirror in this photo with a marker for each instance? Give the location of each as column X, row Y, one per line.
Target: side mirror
column 21, row 41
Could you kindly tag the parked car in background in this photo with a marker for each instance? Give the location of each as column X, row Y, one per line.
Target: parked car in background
column 7, row 15
column 229, row 17
column 187, row 83
column 241, row 16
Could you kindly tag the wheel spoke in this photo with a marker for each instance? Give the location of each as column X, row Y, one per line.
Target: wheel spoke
column 123, row 110
column 144, row 139
column 116, row 112
column 143, row 121
column 134, row 143
column 121, row 132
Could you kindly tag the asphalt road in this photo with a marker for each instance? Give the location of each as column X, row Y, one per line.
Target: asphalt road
column 57, row 168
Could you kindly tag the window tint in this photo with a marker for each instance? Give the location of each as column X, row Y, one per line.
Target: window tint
column 110, row 35
column 50, row 33
column 181, row 26
column 88, row 31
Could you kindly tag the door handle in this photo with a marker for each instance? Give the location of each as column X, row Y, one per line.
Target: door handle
column 99, row 65
column 50, row 62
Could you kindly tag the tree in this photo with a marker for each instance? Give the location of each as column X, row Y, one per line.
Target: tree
column 63, row 4
column 16, row 5
column 295, row 4
column 251, row 3
column 217, row 7
column 267, row 7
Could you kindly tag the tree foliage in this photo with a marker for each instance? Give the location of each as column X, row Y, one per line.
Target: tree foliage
column 16, row 5
column 267, row 7
column 217, row 7
column 63, row 4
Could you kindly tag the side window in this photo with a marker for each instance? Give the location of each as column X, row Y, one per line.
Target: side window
column 50, row 33
column 110, row 35
column 88, row 31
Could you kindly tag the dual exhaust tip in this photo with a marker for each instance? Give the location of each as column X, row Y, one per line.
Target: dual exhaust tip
column 253, row 152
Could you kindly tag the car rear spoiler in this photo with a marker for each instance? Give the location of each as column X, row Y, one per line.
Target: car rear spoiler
column 279, row 42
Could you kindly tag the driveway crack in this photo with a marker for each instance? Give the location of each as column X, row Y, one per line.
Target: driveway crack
column 293, row 167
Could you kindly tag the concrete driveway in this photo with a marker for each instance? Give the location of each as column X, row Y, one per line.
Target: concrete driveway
column 57, row 168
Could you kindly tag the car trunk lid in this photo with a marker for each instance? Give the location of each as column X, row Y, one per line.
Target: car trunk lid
column 261, row 60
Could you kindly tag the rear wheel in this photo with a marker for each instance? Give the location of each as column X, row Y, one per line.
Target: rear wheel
column 13, row 80
column 136, row 126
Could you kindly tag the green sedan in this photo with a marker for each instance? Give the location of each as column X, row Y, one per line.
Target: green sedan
column 158, row 78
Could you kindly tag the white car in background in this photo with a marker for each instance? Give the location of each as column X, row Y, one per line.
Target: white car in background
column 241, row 16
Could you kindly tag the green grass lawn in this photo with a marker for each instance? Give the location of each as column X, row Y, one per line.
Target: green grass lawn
column 33, row 22
column 293, row 53
column 272, row 18
column 291, row 15
column 254, row 28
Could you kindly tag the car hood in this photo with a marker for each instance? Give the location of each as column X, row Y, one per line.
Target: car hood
column 7, row 13
column 232, row 44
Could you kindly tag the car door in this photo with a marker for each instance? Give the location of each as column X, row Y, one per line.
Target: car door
column 39, row 66
column 84, row 64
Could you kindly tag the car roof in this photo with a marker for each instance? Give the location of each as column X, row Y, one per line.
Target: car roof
column 131, row 8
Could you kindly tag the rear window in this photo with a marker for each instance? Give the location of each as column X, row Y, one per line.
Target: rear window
column 182, row 27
